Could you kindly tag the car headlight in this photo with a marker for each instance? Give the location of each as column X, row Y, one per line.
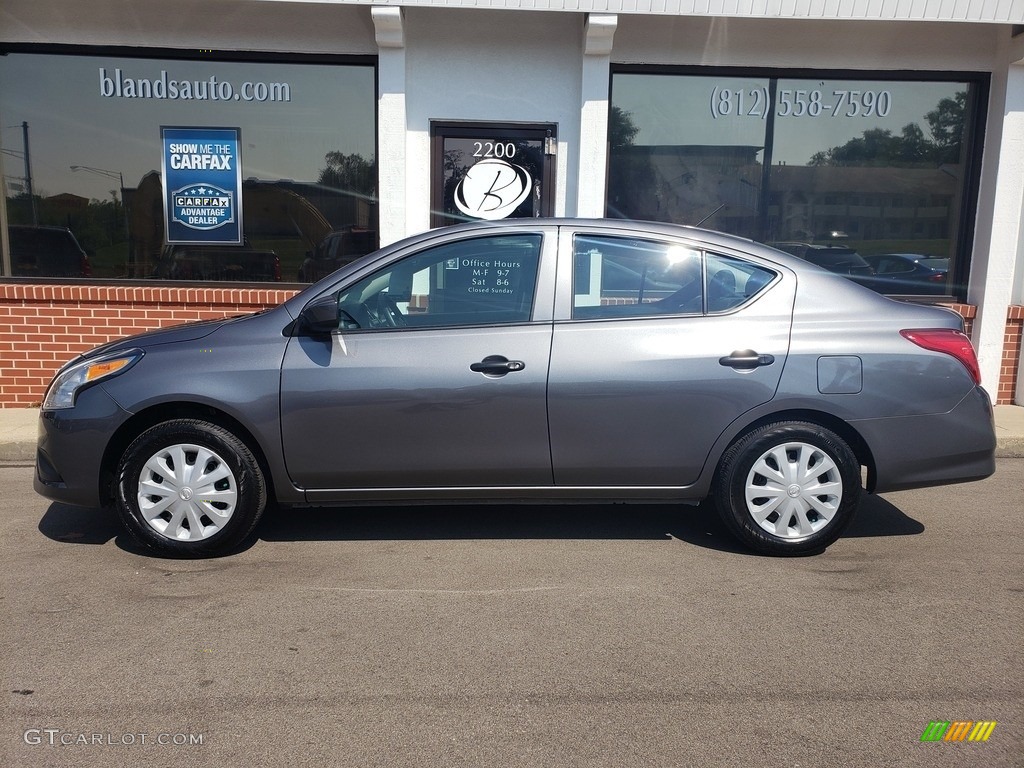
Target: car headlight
column 68, row 383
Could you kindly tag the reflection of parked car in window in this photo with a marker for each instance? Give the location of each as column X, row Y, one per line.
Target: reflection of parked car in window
column 335, row 251
column 218, row 262
column 835, row 258
column 46, row 252
column 909, row 273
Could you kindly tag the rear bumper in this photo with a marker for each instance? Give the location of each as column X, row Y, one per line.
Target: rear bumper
column 936, row 449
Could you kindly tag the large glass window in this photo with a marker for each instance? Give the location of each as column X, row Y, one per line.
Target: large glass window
column 870, row 166
column 86, row 166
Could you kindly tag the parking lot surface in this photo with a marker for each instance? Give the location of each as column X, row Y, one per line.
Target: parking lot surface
column 516, row 636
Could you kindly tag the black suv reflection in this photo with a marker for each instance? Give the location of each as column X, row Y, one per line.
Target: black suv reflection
column 218, row 262
column 46, row 252
column 835, row 258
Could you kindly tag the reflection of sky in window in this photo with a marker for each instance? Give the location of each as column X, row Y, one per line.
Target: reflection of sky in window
column 677, row 110
column 332, row 109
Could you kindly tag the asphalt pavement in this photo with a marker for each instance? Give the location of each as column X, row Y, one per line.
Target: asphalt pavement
column 620, row 636
column 18, row 433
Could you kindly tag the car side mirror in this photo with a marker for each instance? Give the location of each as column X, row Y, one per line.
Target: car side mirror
column 321, row 317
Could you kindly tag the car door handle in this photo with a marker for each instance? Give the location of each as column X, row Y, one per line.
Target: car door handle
column 746, row 360
column 496, row 365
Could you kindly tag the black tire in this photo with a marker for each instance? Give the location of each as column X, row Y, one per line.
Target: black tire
column 801, row 510
column 229, row 490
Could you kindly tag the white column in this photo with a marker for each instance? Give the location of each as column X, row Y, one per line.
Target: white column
column 999, row 249
column 391, row 126
column 593, row 167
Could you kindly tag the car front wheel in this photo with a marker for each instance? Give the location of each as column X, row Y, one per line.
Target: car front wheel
column 189, row 488
column 788, row 488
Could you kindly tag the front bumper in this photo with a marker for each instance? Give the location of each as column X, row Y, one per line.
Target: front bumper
column 70, row 448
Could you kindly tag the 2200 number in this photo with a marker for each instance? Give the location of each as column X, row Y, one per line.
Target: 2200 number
column 494, row 149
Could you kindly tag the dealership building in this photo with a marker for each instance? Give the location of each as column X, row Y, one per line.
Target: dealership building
column 171, row 162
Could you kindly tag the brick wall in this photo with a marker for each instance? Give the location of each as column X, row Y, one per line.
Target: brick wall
column 1011, row 356
column 43, row 326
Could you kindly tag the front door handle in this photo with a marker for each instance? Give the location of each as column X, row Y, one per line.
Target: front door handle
column 746, row 360
column 496, row 365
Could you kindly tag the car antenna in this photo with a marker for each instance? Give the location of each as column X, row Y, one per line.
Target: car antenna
column 710, row 215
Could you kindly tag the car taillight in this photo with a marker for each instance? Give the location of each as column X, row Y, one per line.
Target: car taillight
column 950, row 342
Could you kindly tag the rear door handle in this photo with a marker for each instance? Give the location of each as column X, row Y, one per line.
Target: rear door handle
column 496, row 365
column 746, row 360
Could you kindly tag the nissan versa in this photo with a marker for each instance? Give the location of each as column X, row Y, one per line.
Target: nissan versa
column 530, row 359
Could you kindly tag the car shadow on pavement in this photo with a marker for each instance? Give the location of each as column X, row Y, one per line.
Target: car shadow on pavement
column 700, row 526
column 879, row 517
column 85, row 525
column 695, row 525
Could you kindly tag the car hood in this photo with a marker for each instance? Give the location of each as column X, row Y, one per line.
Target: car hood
column 171, row 335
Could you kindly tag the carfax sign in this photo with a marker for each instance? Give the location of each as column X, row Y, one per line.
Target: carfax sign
column 202, row 182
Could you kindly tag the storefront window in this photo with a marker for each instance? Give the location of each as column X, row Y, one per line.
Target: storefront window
column 180, row 169
column 880, row 168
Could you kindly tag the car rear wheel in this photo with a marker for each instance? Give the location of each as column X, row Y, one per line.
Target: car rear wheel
column 788, row 488
column 189, row 488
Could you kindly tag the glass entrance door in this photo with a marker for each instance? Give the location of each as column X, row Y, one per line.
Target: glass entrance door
column 491, row 171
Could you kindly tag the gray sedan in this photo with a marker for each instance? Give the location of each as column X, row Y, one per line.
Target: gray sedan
column 531, row 359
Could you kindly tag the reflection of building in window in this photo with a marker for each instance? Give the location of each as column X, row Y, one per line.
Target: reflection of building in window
column 688, row 184
column 812, row 202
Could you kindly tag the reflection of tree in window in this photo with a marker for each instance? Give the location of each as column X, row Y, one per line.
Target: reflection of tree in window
column 879, row 147
column 349, row 173
column 631, row 179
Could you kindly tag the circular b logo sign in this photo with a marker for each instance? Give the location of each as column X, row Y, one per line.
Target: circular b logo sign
column 492, row 189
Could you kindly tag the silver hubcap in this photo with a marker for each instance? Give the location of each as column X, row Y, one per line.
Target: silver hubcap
column 793, row 490
column 187, row 492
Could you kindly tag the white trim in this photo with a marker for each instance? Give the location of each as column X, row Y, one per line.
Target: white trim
column 388, row 27
column 978, row 11
column 594, row 79
column 600, row 34
column 392, row 134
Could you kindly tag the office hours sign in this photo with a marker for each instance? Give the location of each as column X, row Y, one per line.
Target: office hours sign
column 202, row 185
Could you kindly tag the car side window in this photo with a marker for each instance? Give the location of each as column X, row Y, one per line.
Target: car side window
column 893, row 266
column 732, row 282
column 479, row 281
column 629, row 277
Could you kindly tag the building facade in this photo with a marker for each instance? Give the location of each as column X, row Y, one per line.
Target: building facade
column 879, row 129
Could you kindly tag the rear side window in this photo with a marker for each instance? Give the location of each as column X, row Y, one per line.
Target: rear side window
column 629, row 277
column 732, row 281
column 625, row 276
